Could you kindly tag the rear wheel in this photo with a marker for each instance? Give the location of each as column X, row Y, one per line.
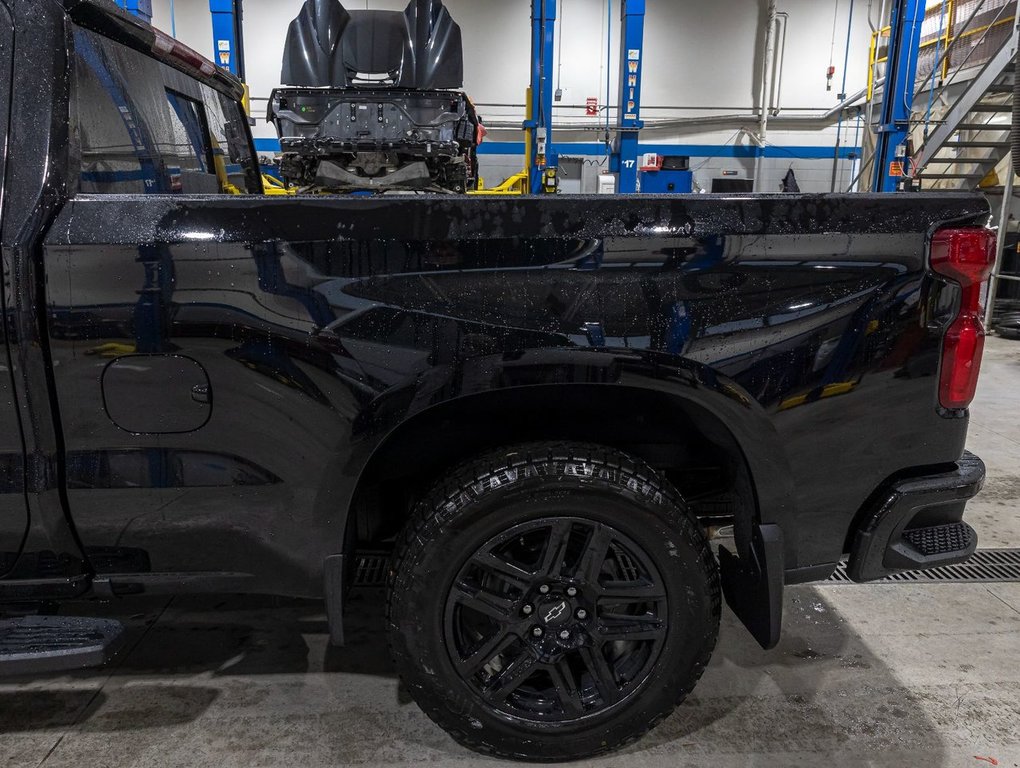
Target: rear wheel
column 552, row 602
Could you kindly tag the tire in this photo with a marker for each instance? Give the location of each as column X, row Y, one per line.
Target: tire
column 552, row 602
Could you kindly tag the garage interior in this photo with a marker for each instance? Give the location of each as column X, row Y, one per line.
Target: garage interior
column 630, row 97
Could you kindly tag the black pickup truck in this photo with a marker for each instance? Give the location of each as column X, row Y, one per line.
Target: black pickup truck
column 541, row 408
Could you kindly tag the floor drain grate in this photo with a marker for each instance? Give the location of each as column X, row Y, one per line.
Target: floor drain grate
column 371, row 569
column 984, row 566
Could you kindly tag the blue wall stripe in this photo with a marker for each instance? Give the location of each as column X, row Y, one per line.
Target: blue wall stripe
column 692, row 150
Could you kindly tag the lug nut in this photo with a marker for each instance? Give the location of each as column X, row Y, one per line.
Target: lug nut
column 544, row 589
column 564, row 635
column 572, row 591
column 581, row 613
column 537, row 631
column 527, row 610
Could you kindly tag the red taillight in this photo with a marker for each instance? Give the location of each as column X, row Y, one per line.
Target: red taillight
column 966, row 257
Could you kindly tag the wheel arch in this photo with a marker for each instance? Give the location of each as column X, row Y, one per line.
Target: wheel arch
column 666, row 426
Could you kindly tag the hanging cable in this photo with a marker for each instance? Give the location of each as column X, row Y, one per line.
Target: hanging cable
column 559, row 55
column 609, row 71
column 602, row 60
column 832, row 47
column 842, row 95
column 730, row 140
column 857, row 139
column 846, row 52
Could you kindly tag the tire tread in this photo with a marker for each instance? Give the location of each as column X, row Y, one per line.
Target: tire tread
column 426, row 520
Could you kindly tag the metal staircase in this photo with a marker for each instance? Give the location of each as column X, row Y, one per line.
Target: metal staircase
column 971, row 138
column 962, row 114
column 961, row 110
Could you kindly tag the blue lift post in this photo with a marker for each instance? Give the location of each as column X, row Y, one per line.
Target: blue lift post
column 542, row 155
column 140, row 8
column 632, row 39
column 898, row 99
column 227, row 40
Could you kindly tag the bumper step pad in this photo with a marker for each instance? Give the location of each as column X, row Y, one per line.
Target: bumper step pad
column 941, row 539
column 886, row 542
column 41, row 644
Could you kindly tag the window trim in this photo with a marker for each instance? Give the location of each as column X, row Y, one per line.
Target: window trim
column 7, row 86
column 181, row 85
column 76, row 153
column 203, row 125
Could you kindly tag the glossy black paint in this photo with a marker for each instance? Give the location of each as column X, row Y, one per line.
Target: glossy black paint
column 35, row 189
column 802, row 332
column 320, row 343
column 13, row 508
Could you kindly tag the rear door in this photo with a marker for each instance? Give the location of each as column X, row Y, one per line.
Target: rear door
column 13, row 509
column 174, row 394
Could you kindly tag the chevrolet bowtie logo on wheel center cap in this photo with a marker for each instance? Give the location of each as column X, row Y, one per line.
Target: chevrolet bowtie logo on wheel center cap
column 554, row 612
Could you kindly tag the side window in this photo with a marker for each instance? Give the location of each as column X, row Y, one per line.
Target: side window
column 185, row 150
column 118, row 153
column 144, row 127
column 230, row 144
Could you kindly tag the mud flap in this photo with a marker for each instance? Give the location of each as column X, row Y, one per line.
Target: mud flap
column 754, row 586
column 333, row 577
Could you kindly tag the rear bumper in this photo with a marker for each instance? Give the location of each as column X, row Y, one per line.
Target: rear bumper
column 918, row 523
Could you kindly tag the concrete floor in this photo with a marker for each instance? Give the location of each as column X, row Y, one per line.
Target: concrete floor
column 890, row 674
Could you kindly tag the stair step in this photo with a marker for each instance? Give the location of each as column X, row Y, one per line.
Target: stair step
column 40, row 644
column 1000, row 88
column 999, row 190
column 992, row 108
column 985, row 158
column 983, row 127
column 965, row 160
column 1003, row 144
column 951, row 175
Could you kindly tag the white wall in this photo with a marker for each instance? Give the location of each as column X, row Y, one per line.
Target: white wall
column 700, row 57
column 194, row 22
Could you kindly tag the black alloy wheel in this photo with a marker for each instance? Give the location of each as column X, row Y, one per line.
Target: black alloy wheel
column 551, row 602
column 556, row 619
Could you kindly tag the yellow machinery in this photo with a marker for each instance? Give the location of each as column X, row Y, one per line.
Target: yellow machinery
column 520, row 183
column 273, row 186
column 515, row 185
column 220, row 166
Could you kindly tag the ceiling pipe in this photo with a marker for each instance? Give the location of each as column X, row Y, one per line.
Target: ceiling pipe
column 767, row 64
column 819, row 120
column 778, row 64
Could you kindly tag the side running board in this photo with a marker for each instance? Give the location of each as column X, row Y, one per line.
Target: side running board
column 32, row 645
